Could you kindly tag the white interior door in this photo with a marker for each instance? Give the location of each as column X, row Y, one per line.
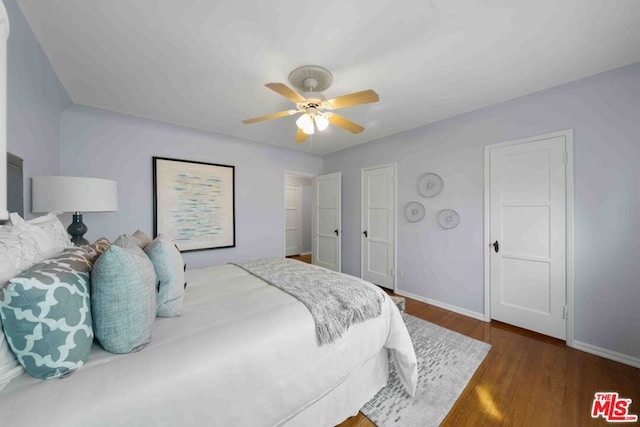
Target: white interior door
column 293, row 219
column 528, row 235
column 327, row 221
column 378, row 225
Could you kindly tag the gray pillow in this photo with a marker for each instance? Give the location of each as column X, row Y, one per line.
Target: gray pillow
column 141, row 238
column 169, row 268
column 123, row 297
column 46, row 315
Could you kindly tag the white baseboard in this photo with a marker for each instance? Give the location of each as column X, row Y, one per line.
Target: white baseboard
column 305, row 253
column 578, row 345
column 455, row 309
column 607, row 354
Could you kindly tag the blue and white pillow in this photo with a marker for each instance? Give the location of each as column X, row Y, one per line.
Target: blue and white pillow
column 46, row 315
column 9, row 365
column 97, row 248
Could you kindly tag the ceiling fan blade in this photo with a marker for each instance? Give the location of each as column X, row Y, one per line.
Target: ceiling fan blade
column 357, row 98
column 270, row 116
column 286, row 91
column 343, row 123
column 301, row 136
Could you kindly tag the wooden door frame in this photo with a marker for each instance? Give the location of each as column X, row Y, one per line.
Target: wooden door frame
column 395, row 220
column 569, row 229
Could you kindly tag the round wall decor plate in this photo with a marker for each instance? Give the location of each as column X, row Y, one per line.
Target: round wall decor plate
column 448, row 219
column 430, row 184
column 414, row 211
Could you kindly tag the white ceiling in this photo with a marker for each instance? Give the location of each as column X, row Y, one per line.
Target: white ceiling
column 203, row 64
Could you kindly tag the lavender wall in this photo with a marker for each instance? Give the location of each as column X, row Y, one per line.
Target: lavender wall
column 447, row 266
column 444, row 266
column 120, row 147
column 35, row 100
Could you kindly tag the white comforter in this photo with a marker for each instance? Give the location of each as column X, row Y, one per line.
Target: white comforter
column 243, row 353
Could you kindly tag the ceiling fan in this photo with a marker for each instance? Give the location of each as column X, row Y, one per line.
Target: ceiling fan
column 317, row 112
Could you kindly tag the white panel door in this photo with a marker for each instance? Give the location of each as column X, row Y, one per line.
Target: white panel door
column 292, row 219
column 327, row 221
column 378, row 225
column 528, row 235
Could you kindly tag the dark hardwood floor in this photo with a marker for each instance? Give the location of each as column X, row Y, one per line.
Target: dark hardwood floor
column 303, row 258
column 527, row 379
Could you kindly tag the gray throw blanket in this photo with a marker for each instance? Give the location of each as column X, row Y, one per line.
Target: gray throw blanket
column 335, row 300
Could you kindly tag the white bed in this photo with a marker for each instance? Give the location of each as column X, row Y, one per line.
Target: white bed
column 243, row 353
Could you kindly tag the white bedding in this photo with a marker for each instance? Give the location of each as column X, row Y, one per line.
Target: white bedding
column 243, row 353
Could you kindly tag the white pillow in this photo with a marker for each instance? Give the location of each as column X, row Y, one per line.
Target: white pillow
column 52, row 225
column 9, row 365
column 20, row 247
column 46, row 232
column 7, row 269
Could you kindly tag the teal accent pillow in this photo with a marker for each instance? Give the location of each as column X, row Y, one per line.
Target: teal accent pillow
column 169, row 268
column 123, row 297
column 46, row 315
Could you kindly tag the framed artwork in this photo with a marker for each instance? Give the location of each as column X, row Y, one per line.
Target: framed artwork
column 194, row 203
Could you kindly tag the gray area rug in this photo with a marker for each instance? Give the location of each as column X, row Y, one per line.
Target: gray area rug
column 446, row 362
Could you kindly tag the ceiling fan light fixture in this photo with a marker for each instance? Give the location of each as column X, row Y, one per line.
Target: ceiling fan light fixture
column 313, row 105
column 305, row 122
column 321, row 121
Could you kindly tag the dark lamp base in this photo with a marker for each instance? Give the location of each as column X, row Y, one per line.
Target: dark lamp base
column 77, row 230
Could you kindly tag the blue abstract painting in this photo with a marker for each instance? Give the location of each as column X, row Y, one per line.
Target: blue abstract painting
column 194, row 203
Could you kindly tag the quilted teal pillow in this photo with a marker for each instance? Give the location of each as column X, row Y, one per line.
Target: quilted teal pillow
column 169, row 268
column 123, row 297
column 46, row 315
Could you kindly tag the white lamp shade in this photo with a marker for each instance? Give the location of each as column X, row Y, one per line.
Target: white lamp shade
column 305, row 122
column 321, row 122
column 73, row 194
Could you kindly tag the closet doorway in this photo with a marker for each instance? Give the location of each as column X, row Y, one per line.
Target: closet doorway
column 298, row 213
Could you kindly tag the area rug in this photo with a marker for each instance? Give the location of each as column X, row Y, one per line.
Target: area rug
column 446, row 362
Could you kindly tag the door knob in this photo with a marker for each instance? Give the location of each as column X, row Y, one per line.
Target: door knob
column 496, row 246
column 336, row 231
column 365, row 234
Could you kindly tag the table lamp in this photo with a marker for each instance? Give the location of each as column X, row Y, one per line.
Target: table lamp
column 74, row 194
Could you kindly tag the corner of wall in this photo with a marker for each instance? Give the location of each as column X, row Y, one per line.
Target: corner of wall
column 35, row 101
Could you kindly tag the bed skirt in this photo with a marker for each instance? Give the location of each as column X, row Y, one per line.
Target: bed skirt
column 346, row 399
